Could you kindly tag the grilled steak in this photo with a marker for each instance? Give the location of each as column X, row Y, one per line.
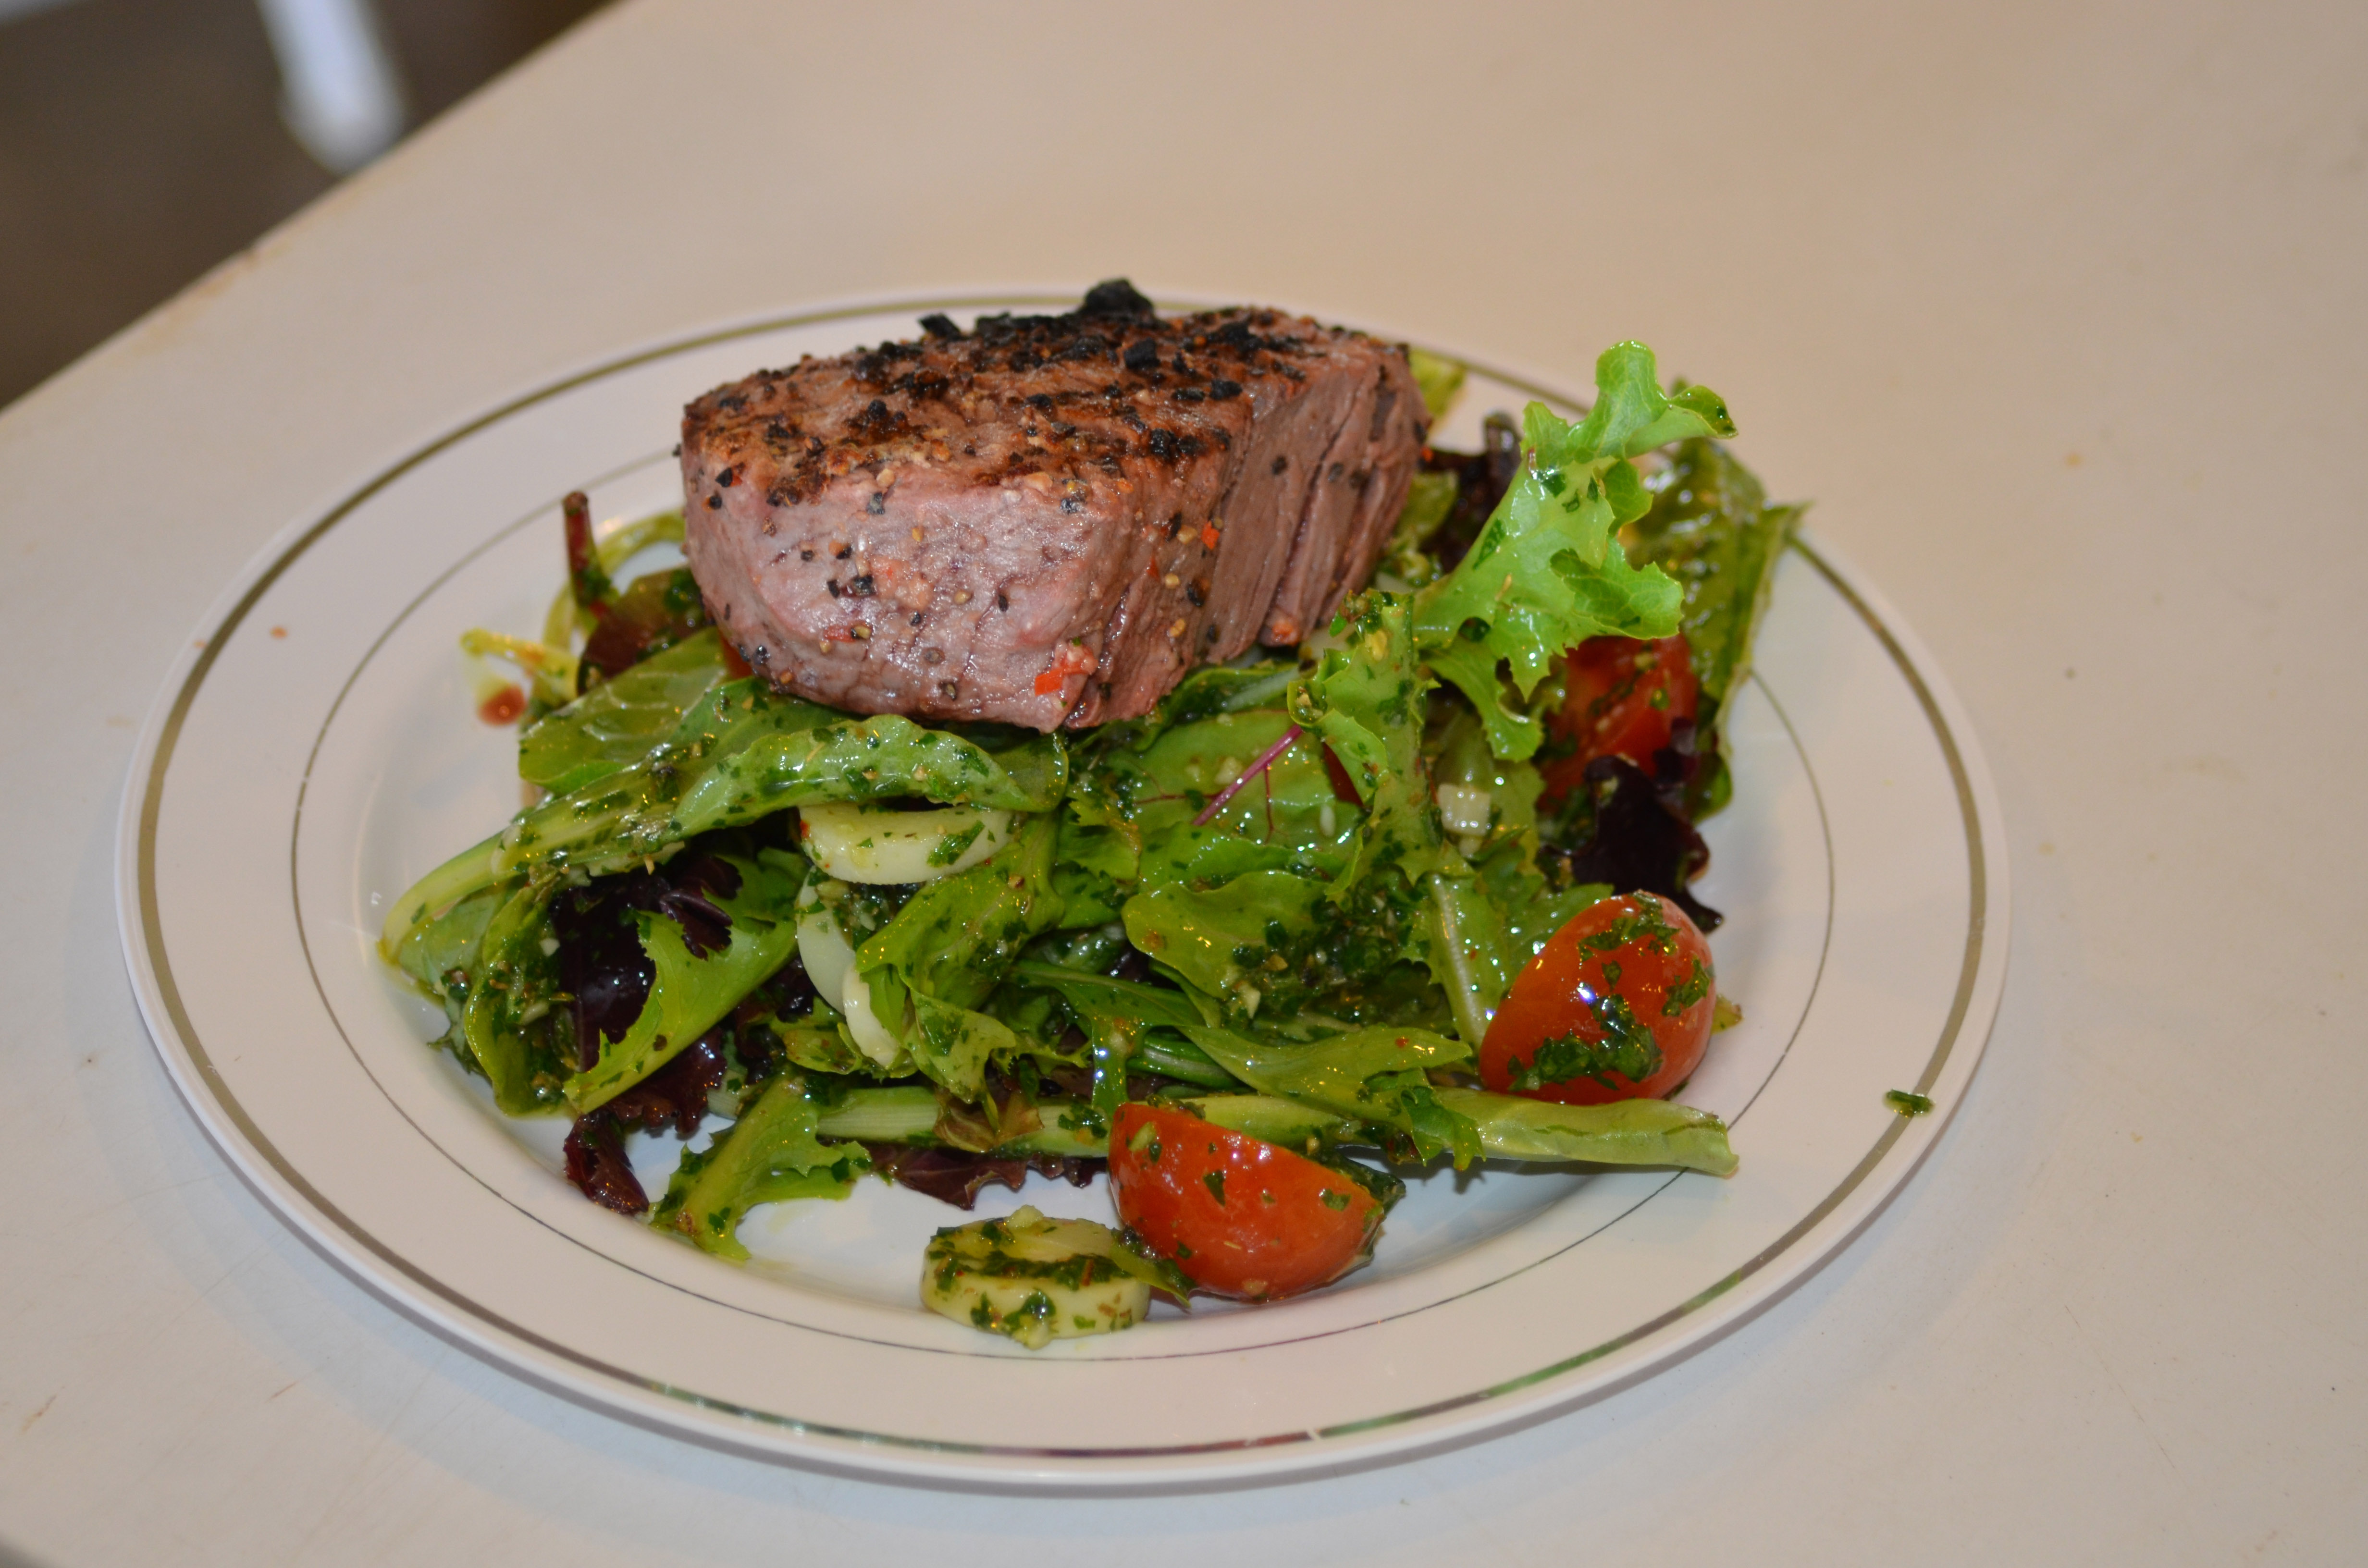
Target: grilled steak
column 1046, row 519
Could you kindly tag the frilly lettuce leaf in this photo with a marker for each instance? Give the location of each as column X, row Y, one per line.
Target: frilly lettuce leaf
column 771, row 1154
column 1547, row 572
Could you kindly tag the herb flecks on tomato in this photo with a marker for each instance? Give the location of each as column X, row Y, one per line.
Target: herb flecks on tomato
column 1623, row 698
column 1618, row 1005
column 1241, row 1217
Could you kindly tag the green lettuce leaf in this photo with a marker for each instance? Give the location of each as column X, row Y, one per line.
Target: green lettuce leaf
column 1092, row 870
column 1429, row 498
column 1125, row 1001
column 1471, row 952
column 1365, row 698
column 932, row 967
column 815, row 1045
column 1374, row 1076
column 740, row 754
column 1506, row 863
column 1440, row 379
column 1204, row 693
column 1625, row 1133
column 513, row 987
column 623, row 720
column 439, row 955
column 1132, row 808
column 1281, row 958
column 692, row 993
column 1528, row 925
column 1547, row 572
column 1272, row 1118
column 1128, row 1025
column 1217, row 941
column 1711, row 528
column 770, row 1155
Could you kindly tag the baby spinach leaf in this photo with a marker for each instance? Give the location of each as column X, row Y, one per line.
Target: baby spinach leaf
column 623, row 719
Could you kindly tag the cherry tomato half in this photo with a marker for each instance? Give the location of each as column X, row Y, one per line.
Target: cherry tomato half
column 1617, row 1005
column 1241, row 1217
column 1620, row 697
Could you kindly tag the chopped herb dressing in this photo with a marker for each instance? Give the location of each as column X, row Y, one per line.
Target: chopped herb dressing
column 950, row 953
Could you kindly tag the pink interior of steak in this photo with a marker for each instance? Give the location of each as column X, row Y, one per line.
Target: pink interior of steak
column 1047, row 519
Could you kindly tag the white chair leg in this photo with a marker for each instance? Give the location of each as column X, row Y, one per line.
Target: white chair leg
column 341, row 96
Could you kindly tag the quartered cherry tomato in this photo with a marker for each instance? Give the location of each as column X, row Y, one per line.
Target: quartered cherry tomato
column 1616, row 1005
column 1241, row 1217
column 1621, row 697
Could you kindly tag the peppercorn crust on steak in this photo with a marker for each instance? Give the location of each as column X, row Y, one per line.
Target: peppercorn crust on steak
column 1047, row 519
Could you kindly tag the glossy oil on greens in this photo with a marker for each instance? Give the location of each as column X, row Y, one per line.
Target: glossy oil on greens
column 741, row 753
column 692, row 992
column 621, row 720
column 1246, row 899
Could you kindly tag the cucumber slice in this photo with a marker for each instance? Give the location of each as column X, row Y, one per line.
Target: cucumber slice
column 1037, row 1279
column 829, row 959
column 861, row 841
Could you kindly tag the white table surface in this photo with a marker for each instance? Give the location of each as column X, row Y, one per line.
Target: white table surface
column 2059, row 312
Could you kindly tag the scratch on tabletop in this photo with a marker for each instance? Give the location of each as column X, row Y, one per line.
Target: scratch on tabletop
column 283, row 1389
column 2114, row 1377
column 232, row 1271
column 361, row 1473
column 126, row 1203
column 28, row 1425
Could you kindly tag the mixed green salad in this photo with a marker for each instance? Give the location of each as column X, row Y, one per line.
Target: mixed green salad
column 1287, row 914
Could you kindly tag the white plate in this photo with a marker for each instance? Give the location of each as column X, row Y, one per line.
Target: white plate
column 316, row 751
